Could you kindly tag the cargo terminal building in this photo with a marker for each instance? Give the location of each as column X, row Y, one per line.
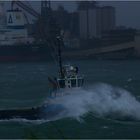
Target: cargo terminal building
column 15, row 31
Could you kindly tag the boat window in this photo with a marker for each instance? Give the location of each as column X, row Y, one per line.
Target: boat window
column 80, row 82
column 73, row 82
column 61, row 83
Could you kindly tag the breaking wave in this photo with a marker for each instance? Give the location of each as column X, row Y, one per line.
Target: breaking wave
column 101, row 100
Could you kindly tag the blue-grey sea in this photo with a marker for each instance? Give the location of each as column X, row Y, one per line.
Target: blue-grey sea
column 106, row 107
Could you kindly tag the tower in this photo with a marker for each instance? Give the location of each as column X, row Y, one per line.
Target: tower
column 50, row 27
column 45, row 9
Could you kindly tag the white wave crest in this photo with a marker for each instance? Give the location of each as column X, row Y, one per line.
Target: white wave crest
column 100, row 99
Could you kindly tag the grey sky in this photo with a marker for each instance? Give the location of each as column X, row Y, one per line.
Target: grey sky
column 127, row 12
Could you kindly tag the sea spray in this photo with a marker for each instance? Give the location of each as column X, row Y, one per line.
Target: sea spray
column 102, row 100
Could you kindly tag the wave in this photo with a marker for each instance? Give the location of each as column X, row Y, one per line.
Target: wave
column 100, row 100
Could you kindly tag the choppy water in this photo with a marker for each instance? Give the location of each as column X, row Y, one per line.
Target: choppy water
column 107, row 107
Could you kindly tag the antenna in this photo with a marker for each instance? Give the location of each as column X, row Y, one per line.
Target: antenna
column 59, row 40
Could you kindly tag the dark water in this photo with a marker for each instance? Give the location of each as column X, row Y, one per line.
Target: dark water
column 25, row 85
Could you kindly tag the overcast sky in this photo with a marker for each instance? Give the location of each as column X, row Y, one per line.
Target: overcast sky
column 127, row 12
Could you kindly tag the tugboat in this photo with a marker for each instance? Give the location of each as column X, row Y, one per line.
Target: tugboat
column 68, row 75
column 68, row 79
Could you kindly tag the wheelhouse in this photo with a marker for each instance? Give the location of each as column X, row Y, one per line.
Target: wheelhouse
column 71, row 82
column 71, row 78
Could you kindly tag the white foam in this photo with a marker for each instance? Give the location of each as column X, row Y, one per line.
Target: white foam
column 100, row 99
column 25, row 121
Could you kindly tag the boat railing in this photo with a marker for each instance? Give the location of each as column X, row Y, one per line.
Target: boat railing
column 70, row 82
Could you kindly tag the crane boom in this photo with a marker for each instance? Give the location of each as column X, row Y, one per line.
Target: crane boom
column 25, row 7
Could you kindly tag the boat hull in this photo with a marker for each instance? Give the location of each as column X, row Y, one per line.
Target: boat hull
column 37, row 113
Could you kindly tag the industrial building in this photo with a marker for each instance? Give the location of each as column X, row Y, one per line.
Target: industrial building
column 94, row 20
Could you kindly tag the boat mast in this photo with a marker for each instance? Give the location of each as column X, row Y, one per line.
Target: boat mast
column 59, row 40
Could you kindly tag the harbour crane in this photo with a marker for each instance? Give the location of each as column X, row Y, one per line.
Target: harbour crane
column 25, row 7
column 43, row 18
